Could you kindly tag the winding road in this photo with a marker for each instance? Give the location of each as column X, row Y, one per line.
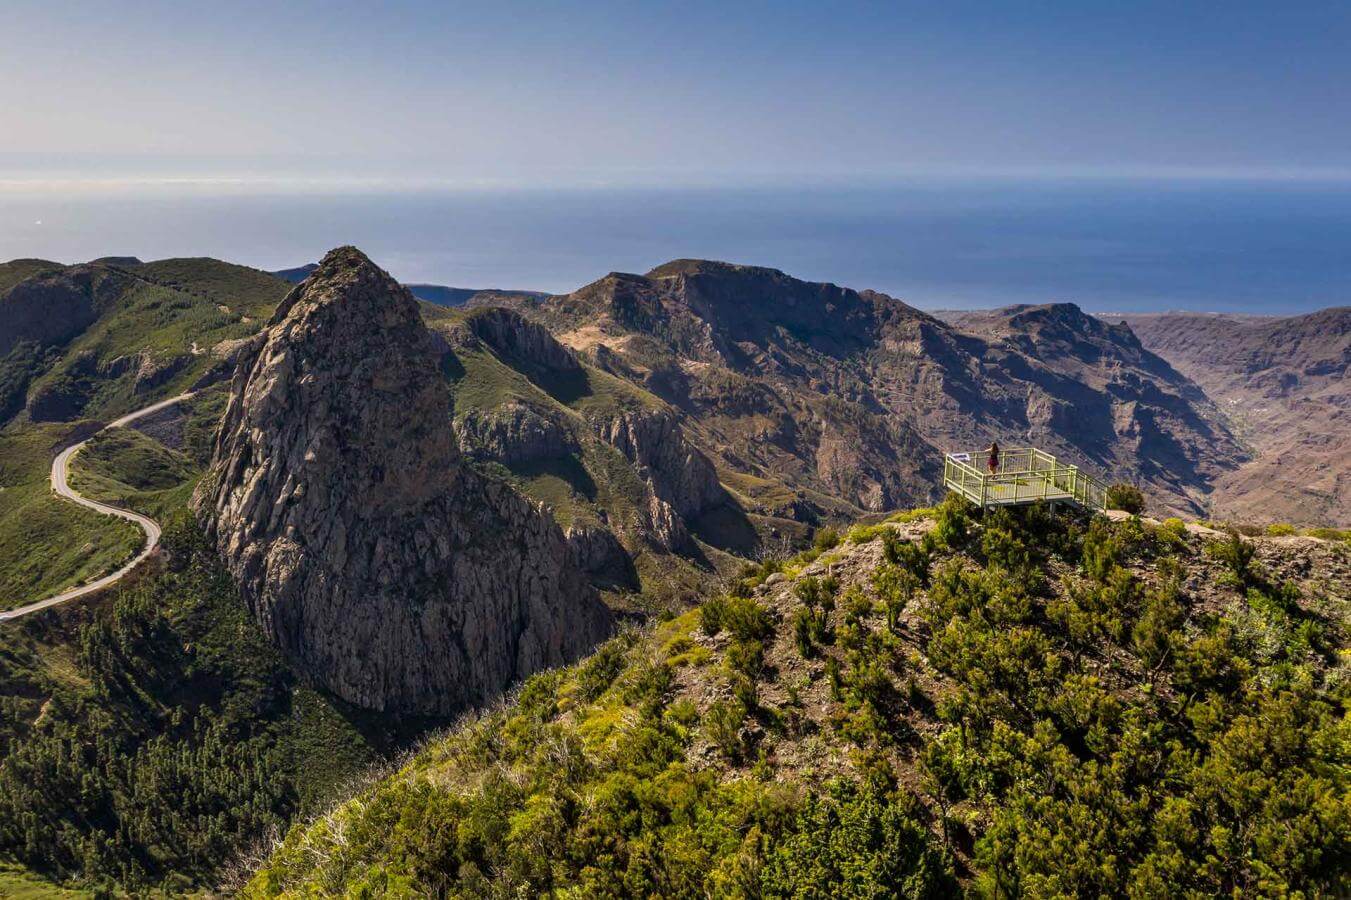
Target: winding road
column 60, row 475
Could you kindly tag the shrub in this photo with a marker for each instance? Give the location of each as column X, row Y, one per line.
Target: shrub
column 896, row 586
column 912, row 515
column 599, row 671
column 722, row 724
column 1236, row 554
column 804, row 626
column 862, row 534
column 711, row 615
column 953, row 522
column 826, row 538
column 818, row 598
column 1280, row 529
column 817, row 592
column 746, row 619
column 746, row 657
column 1002, row 544
column 1104, row 549
column 1126, row 497
column 1155, row 632
column 856, row 841
column 908, row 555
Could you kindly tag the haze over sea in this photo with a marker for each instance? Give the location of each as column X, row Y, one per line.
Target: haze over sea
column 1254, row 246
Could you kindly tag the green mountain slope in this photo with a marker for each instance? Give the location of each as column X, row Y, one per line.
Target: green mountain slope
column 536, row 419
column 47, row 544
column 134, row 334
column 151, row 737
column 1023, row 706
column 17, row 270
column 169, row 325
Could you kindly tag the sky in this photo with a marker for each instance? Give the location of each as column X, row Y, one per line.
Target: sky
column 507, row 94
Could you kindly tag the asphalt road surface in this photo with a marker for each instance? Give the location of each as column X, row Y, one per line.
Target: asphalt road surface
column 60, row 474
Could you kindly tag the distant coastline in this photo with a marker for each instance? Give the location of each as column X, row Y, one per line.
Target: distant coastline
column 1126, row 246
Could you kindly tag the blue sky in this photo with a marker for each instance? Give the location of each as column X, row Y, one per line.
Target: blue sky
column 528, row 94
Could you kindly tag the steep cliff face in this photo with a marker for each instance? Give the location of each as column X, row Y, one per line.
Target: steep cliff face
column 678, row 473
column 398, row 577
column 514, row 433
column 513, row 336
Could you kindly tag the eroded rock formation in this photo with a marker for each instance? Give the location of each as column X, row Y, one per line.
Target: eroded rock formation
column 397, row 577
column 678, row 474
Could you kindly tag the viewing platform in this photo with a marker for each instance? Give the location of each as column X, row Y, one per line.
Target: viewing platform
column 1024, row 475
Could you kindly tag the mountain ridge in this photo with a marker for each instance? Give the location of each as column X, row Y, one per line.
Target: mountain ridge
column 867, row 374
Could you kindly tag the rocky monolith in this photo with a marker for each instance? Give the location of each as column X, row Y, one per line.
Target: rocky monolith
column 393, row 575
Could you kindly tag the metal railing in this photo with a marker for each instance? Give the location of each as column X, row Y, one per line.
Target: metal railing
column 1023, row 475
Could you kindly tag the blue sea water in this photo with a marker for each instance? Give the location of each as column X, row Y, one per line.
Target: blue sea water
column 1259, row 247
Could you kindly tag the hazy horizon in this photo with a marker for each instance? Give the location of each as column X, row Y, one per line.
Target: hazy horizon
column 1111, row 246
column 1149, row 156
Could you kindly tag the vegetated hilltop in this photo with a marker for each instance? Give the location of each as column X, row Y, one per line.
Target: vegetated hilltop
column 1023, row 705
column 853, row 395
column 83, row 344
column 100, row 339
column 1284, row 384
column 395, row 576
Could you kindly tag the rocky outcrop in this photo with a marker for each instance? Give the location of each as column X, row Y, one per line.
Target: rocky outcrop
column 66, row 395
column 152, row 371
column 678, row 473
column 599, row 554
column 393, row 574
column 513, row 433
column 508, row 334
column 660, row 525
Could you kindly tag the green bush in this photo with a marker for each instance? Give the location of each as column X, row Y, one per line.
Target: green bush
column 804, row 628
column 746, row 619
column 952, row 522
column 856, row 841
column 1125, row 497
column 909, row 555
column 863, row 534
column 1174, row 527
column 826, row 538
column 1237, row 555
column 812, row 620
column 722, row 724
column 1281, row 529
column 711, row 615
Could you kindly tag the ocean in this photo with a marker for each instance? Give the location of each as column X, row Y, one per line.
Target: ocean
column 1270, row 247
